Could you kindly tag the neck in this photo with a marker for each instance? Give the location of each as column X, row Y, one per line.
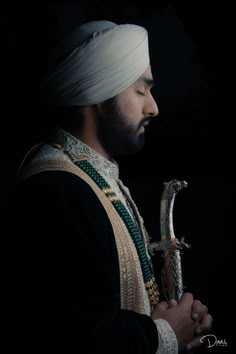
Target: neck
column 92, row 142
column 88, row 131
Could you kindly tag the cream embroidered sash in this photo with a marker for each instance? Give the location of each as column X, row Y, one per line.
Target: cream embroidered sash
column 131, row 278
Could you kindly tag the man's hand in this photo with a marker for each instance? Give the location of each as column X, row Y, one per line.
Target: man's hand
column 189, row 320
column 200, row 314
column 202, row 317
column 179, row 316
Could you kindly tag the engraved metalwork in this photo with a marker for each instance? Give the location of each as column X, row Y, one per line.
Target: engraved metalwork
column 172, row 281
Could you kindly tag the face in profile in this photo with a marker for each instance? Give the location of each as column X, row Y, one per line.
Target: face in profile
column 121, row 121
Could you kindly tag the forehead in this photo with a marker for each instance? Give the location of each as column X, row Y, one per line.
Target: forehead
column 146, row 77
column 147, row 72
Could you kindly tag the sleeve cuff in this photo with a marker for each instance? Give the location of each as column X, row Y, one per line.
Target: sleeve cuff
column 167, row 339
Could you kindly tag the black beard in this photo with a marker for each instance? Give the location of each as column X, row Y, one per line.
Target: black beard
column 116, row 133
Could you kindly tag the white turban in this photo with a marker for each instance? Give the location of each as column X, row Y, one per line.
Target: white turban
column 107, row 59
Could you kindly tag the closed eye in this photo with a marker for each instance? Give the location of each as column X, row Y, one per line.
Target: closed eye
column 141, row 93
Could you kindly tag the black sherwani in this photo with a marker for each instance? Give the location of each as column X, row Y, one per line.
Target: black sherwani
column 63, row 286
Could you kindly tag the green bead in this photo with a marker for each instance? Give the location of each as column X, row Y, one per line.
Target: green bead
column 124, row 214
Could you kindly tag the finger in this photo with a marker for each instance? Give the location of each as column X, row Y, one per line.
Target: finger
column 159, row 309
column 199, row 310
column 162, row 305
column 205, row 325
column 194, row 344
column 173, row 303
column 186, row 300
column 196, row 309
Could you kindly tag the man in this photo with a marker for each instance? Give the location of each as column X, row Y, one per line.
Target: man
column 82, row 272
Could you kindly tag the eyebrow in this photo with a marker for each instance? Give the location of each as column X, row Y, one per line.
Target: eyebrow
column 147, row 81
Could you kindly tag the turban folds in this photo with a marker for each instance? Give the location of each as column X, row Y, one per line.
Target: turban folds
column 107, row 59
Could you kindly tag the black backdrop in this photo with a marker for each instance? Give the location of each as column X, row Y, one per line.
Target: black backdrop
column 191, row 139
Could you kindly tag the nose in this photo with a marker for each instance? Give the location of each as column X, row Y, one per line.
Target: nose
column 151, row 108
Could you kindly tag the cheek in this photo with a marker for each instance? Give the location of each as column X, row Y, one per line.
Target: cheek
column 130, row 105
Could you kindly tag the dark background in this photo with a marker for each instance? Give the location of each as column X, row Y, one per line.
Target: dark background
column 191, row 51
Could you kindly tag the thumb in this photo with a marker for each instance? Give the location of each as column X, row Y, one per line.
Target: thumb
column 186, row 300
column 160, row 310
column 163, row 305
column 173, row 303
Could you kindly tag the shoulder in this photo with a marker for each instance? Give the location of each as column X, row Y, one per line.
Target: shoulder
column 53, row 191
column 53, row 180
column 55, row 187
column 57, row 200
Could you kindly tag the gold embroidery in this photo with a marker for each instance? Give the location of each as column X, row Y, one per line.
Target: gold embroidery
column 130, row 270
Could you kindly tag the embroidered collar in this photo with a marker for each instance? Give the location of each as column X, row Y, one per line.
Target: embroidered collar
column 81, row 151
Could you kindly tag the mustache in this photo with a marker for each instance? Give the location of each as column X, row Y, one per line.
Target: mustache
column 146, row 119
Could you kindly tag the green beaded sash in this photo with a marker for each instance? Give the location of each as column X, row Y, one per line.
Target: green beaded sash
column 28, row 169
column 133, row 230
